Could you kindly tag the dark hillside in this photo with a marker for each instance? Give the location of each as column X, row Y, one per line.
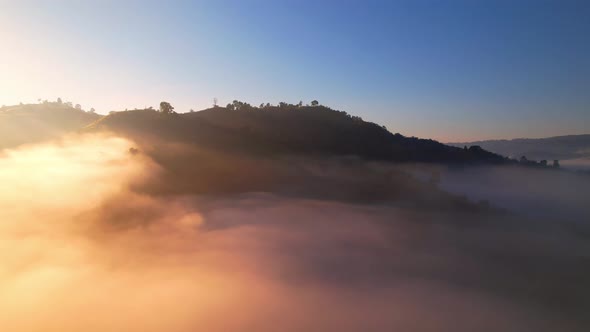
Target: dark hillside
column 302, row 130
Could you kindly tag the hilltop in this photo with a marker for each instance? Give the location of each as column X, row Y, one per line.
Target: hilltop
column 29, row 123
column 286, row 130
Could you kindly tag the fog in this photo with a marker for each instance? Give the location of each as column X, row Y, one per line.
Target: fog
column 94, row 238
column 579, row 164
column 533, row 192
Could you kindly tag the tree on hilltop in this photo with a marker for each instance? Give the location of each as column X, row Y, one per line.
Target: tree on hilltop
column 166, row 108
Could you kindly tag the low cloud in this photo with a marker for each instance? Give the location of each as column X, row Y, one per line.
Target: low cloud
column 95, row 238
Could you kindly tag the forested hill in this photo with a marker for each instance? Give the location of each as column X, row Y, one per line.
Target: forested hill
column 286, row 130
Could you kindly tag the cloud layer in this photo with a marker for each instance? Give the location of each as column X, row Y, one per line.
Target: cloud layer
column 88, row 241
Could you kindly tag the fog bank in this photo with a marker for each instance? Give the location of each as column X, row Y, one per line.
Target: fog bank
column 90, row 241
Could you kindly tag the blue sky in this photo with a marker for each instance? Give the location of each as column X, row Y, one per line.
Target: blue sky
column 449, row 70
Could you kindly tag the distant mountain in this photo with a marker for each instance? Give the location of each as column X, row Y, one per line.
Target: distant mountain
column 286, row 130
column 559, row 147
column 31, row 123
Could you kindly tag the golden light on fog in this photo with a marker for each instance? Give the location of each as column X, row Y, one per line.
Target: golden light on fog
column 82, row 249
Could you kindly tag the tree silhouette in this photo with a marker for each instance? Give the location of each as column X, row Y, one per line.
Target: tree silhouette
column 166, row 108
column 240, row 105
column 314, row 103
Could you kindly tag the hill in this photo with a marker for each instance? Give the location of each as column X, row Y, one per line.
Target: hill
column 559, row 147
column 22, row 124
column 287, row 130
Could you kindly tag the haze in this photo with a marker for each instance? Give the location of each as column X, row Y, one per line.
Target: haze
column 449, row 70
column 85, row 247
column 272, row 166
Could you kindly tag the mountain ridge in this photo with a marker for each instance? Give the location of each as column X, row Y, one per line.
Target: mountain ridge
column 288, row 130
column 285, row 129
column 554, row 147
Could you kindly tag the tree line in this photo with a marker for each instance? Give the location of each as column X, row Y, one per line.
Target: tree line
column 240, row 105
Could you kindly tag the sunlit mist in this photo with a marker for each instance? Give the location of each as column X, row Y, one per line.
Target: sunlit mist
column 83, row 247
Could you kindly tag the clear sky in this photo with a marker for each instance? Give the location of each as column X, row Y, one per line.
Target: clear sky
column 449, row 70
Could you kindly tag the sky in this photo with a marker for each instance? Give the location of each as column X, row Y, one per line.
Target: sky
column 448, row 70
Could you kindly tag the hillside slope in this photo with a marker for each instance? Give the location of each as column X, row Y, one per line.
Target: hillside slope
column 31, row 123
column 288, row 131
